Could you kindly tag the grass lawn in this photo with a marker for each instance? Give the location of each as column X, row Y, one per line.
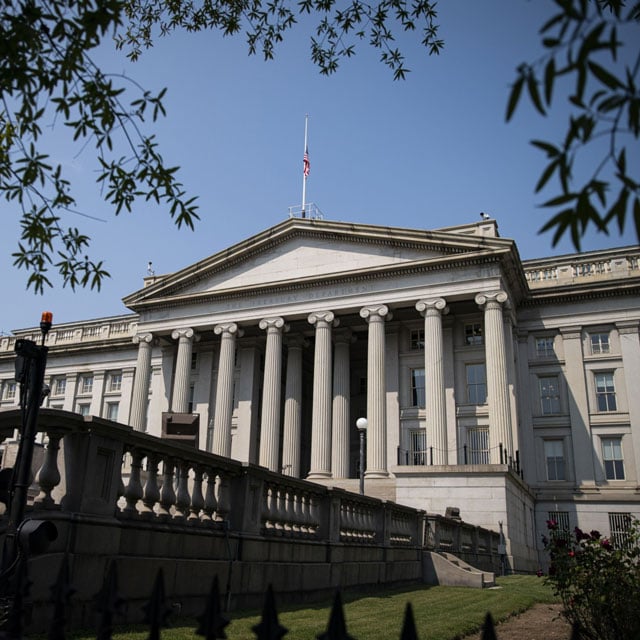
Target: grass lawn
column 441, row 613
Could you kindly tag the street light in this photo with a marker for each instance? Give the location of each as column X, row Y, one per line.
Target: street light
column 362, row 425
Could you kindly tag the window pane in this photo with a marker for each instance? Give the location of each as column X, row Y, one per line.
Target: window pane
column 599, row 343
column 417, row 388
column 554, row 456
column 473, row 334
column 416, row 340
column 612, row 458
column 549, row 394
column 476, row 384
column 605, row 392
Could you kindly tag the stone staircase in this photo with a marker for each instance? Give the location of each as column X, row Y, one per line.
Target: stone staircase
column 444, row 568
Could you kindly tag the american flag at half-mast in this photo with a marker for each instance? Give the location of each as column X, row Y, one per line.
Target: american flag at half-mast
column 306, row 166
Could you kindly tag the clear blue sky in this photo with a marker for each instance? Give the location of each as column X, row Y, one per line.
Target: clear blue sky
column 428, row 152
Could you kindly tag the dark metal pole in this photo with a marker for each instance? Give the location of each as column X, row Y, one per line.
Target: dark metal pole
column 31, row 362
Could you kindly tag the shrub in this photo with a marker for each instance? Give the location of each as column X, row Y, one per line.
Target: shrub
column 598, row 581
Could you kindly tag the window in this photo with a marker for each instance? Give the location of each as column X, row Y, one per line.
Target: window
column 9, row 390
column 59, row 386
column 476, row 383
column 192, row 391
column 115, row 381
column 599, row 343
column 478, row 445
column 562, row 520
column 549, row 388
column 83, row 409
column 86, row 384
column 417, row 388
column 619, row 524
column 554, row 458
column 612, row 458
column 416, row 340
column 605, row 392
column 544, row 347
column 194, row 361
column 111, row 411
column 418, row 454
column 473, row 334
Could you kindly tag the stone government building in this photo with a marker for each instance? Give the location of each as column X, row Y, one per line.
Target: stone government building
column 501, row 387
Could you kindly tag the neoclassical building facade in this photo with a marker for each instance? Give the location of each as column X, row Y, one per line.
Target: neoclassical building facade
column 502, row 388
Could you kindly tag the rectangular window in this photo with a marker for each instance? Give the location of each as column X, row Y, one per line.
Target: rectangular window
column 612, row 458
column 59, row 386
column 554, row 457
column 194, row 361
column 473, row 334
column 83, row 409
column 416, row 340
column 605, row 392
column 549, row 388
column 86, row 384
column 418, row 447
column 9, row 390
column 619, row 524
column 478, row 444
column 544, row 347
column 111, row 411
column 562, row 519
column 417, row 388
column 599, row 343
column 192, row 391
column 476, row 383
column 115, row 381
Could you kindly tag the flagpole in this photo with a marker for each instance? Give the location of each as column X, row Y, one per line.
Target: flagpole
column 305, row 171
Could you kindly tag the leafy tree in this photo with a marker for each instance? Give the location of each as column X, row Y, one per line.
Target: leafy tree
column 47, row 74
column 583, row 48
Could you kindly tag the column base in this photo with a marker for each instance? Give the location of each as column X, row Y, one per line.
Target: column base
column 381, row 473
column 318, row 475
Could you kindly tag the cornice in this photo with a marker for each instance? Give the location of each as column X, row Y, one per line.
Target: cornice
column 573, row 293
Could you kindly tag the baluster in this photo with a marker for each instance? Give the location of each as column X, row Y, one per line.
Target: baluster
column 314, row 514
column 167, row 494
column 133, row 491
column 49, row 476
column 151, row 489
column 281, row 511
column 346, row 521
column 306, row 515
column 290, row 511
column 224, row 499
column 197, row 499
column 269, row 508
column 210, row 502
column 183, row 500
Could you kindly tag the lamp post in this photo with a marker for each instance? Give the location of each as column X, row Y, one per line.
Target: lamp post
column 362, row 425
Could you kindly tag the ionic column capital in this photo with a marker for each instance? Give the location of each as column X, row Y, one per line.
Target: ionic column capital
column 491, row 299
column 186, row 332
column 143, row 337
column 228, row 328
column 274, row 324
column 376, row 313
column 323, row 318
column 432, row 306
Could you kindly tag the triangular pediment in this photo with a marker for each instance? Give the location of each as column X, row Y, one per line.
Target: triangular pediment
column 300, row 250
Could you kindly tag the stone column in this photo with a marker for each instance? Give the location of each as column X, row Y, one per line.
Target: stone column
column 435, row 400
column 376, row 392
column 270, row 423
column 140, row 395
column 223, row 411
column 628, row 331
column 500, row 431
column 182, row 374
column 321, row 417
column 291, row 437
column 341, row 413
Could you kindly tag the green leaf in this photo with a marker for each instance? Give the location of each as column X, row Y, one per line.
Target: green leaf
column 514, row 97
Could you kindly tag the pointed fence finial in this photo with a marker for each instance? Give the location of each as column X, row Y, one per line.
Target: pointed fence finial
column 212, row 622
column 108, row 603
column 156, row 610
column 409, row 631
column 337, row 628
column 269, row 628
column 488, row 629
